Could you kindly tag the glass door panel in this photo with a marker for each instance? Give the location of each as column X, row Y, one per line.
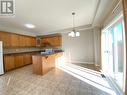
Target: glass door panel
column 113, row 52
column 119, row 53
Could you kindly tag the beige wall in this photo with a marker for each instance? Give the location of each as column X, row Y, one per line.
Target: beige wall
column 97, row 45
column 79, row 49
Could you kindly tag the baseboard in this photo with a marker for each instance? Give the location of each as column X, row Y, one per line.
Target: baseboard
column 97, row 65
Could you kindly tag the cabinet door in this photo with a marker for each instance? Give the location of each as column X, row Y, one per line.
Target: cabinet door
column 9, row 62
column 27, row 59
column 14, row 40
column 57, row 41
column 44, row 41
column 18, row 60
column 21, row 41
column 33, row 42
column 27, row 41
column 51, row 41
column 37, row 65
column 5, row 37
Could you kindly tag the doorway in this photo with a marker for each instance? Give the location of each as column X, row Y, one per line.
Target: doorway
column 113, row 52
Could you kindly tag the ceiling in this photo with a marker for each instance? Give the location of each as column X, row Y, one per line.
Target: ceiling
column 51, row 16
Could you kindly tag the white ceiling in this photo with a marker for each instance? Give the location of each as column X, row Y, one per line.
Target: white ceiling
column 50, row 16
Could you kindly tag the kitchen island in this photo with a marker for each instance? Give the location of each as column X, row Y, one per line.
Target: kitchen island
column 43, row 63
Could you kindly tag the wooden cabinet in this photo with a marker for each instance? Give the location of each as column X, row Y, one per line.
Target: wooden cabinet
column 37, row 65
column 22, row 41
column 27, row 41
column 48, row 63
column 43, row 64
column 27, row 59
column 13, row 61
column 54, row 41
column 18, row 60
column 57, row 41
column 6, row 38
column 9, row 62
column 45, row 42
column 12, row 40
column 33, row 42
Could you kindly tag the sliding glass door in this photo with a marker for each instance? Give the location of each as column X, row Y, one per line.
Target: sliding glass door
column 113, row 52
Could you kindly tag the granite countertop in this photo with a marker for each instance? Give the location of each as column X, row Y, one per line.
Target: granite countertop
column 48, row 54
column 24, row 50
column 27, row 50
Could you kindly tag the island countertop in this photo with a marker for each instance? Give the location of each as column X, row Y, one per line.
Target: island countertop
column 39, row 54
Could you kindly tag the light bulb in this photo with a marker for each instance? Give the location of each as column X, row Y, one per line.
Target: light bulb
column 77, row 34
column 72, row 34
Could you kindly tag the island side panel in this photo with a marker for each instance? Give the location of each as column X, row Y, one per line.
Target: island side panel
column 48, row 63
column 37, row 64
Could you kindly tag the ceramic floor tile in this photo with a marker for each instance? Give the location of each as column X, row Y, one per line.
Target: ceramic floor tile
column 23, row 82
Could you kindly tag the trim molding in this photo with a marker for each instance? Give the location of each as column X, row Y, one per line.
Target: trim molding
column 113, row 84
column 125, row 20
column 96, row 10
column 80, row 62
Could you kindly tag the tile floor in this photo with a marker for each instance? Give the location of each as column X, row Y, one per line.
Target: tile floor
column 23, row 82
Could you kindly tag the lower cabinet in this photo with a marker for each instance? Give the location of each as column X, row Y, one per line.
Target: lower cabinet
column 18, row 61
column 13, row 61
column 9, row 62
column 27, row 59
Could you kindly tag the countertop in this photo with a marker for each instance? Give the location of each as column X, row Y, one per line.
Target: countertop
column 25, row 50
column 47, row 54
column 22, row 50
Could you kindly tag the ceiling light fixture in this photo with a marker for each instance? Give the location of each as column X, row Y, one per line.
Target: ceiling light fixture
column 73, row 33
column 29, row 25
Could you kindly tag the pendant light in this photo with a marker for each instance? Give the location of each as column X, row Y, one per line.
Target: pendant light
column 74, row 33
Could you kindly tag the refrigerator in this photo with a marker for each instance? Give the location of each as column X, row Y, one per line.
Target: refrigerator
column 1, row 59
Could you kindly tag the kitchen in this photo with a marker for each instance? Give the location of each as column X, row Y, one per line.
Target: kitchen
column 18, row 49
column 75, row 47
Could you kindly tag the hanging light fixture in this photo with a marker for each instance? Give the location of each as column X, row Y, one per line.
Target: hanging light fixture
column 74, row 33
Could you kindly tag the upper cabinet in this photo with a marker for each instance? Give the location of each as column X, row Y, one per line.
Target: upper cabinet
column 12, row 40
column 27, row 41
column 53, row 41
column 22, row 41
column 6, row 38
column 33, row 41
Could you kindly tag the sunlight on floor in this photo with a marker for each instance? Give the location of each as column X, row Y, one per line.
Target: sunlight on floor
column 87, row 75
